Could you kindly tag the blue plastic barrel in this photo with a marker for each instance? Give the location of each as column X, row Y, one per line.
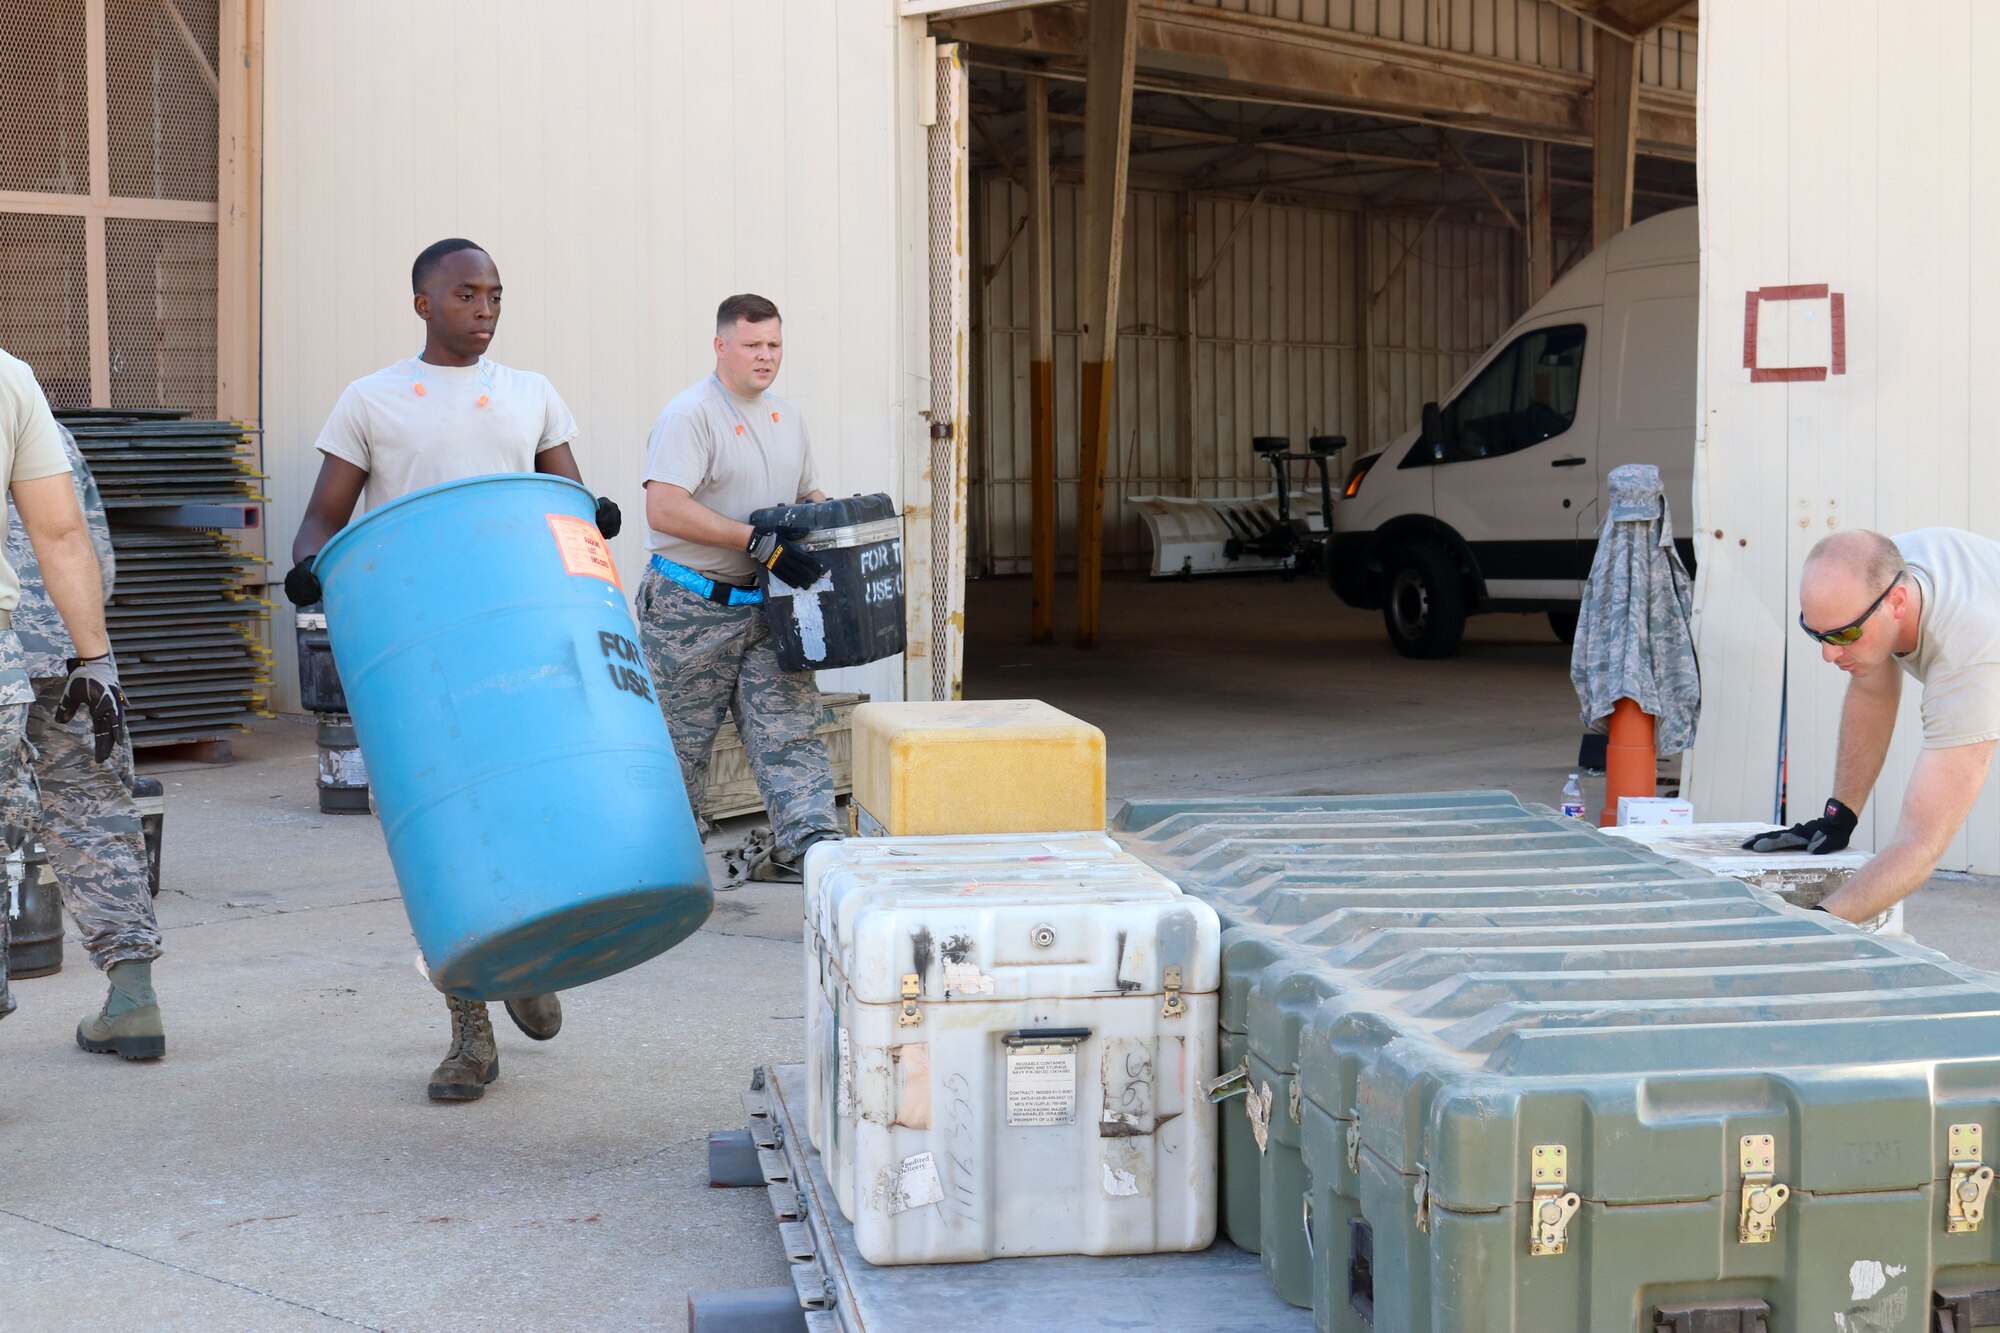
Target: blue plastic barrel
column 527, row 785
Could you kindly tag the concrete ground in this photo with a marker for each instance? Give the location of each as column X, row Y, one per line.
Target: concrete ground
column 282, row 1168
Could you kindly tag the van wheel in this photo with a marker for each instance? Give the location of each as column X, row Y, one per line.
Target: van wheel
column 1424, row 609
column 1564, row 624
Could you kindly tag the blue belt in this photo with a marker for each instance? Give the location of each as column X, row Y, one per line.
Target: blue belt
column 701, row 585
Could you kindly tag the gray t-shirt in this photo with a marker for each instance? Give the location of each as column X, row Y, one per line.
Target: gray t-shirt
column 44, row 637
column 736, row 456
column 30, row 448
column 1957, row 658
column 415, row 425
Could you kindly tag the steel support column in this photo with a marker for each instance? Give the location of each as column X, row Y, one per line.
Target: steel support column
column 1614, row 134
column 1112, row 45
column 1041, row 368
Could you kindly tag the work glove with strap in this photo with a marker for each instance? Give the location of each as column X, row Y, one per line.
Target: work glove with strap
column 609, row 518
column 302, row 585
column 772, row 547
column 1816, row 837
column 93, row 685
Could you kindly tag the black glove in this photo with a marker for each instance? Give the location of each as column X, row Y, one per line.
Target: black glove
column 609, row 520
column 93, row 684
column 1817, row 837
column 302, row 585
column 791, row 565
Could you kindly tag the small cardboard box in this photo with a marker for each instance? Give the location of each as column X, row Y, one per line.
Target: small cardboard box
column 1653, row 810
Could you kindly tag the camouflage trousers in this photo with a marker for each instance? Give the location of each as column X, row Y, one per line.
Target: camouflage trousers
column 83, row 814
column 710, row 661
column 14, row 777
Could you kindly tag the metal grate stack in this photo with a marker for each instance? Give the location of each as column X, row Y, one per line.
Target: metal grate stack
column 190, row 636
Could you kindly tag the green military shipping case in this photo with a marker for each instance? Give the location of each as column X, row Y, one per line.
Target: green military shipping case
column 1500, row 1072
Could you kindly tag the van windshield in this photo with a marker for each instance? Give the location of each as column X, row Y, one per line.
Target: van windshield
column 1524, row 396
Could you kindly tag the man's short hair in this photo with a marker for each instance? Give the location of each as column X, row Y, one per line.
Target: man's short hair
column 1867, row 554
column 420, row 272
column 743, row 306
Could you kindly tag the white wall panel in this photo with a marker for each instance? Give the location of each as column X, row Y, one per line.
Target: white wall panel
column 1862, row 160
column 628, row 164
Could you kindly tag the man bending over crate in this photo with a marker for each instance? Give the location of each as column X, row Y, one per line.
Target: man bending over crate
column 1926, row 603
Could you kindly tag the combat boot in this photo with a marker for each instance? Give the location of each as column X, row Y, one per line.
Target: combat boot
column 473, row 1060
column 540, row 1016
column 783, row 869
column 129, row 1023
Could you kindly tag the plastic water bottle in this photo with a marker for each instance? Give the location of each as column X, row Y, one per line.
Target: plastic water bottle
column 1572, row 802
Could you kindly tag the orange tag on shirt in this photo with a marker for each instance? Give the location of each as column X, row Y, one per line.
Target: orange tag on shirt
column 583, row 549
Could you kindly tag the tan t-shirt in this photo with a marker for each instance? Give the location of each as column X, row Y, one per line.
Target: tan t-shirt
column 30, row 447
column 415, row 425
column 1958, row 635
column 735, row 455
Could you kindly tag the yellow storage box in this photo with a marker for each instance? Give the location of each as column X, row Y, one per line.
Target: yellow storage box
column 978, row 766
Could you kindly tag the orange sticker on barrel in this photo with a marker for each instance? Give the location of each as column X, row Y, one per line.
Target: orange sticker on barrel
column 583, row 549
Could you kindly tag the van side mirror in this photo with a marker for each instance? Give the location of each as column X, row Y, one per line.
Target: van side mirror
column 1434, row 430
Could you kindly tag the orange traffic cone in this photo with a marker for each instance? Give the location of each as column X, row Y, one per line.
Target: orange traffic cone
column 1630, row 761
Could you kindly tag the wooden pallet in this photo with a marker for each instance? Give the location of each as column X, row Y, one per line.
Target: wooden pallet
column 732, row 790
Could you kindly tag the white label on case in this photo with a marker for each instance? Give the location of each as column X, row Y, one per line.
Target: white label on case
column 843, row 1079
column 1041, row 1087
column 916, row 1185
column 966, row 979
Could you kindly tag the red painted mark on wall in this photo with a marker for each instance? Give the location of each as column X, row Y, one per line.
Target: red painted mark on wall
column 1837, row 333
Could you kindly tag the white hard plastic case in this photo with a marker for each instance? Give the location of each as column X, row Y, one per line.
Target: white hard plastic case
column 1010, row 1048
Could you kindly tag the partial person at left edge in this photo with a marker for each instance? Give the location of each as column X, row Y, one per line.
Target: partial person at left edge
column 38, row 478
column 89, row 823
column 447, row 414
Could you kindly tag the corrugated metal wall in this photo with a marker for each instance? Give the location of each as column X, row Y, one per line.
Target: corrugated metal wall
column 1275, row 336
column 1864, row 161
column 1270, row 345
column 1148, row 451
column 1444, row 292
column 601, row 152
column 1532, row 32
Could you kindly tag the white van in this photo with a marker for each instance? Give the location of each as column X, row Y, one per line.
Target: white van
column 1493, row 502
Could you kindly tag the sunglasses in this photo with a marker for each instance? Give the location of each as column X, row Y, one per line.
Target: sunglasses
column 1851, row 631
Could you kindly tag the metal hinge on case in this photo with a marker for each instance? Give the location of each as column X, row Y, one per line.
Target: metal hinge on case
column 1170, row 981
column 1232, row 1084
column 1553, row 1203
column 1757, row 1223
column 1354, row 1142
column 1294, row 1101
column 911, row 1015
column 1423, row 1197
column 1971, row 1179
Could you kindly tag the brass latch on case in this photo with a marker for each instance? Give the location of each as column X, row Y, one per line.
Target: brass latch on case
column 1762, row 1198
column 1553, row 1203
column 1965, row 1204
column 1171, row 982
column 911, row 1015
